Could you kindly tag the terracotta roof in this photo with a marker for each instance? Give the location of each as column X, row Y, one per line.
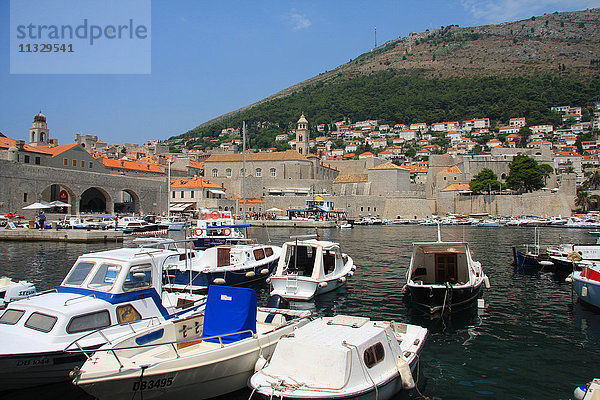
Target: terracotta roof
column 351, row 178
column 193, row 183
column 196, row 164
column 415, row 169
column 452, row 170
column 131, row 165
column 287, row 155
column 388, row 165
column 455, row 187
column 6, row 143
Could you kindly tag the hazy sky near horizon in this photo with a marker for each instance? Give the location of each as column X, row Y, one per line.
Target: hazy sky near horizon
column 210, row 57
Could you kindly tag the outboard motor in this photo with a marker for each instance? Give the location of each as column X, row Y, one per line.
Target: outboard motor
column 276, row 301
column 18, row 291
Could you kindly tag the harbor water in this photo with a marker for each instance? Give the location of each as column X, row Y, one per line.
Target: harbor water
column 531, row 341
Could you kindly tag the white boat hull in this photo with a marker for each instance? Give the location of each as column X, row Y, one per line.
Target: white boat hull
column 303, row 288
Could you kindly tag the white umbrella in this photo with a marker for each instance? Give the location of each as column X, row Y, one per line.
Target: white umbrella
column 36, row 206
column 274, row 209
column 58, row 203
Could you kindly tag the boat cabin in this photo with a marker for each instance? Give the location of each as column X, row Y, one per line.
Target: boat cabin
column 438, row 263
column 310, row 258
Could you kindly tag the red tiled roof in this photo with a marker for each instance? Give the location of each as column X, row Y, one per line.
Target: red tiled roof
column 131, row 165
column 193, row 183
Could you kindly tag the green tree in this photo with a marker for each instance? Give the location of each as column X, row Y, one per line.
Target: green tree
column 525, row 174
column 485, row 180
column 524, row 133
column 583, row 200
column 594, row 180
column 547, row 170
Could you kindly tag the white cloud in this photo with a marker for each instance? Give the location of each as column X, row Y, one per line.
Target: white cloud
column 298, row 20
column 509, row 10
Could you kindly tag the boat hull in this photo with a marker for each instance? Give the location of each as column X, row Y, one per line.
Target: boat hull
column 203, row 279
column 590, row 295
column 437, row 298
column 212, row 241
column 305, row 289
column 20, row 371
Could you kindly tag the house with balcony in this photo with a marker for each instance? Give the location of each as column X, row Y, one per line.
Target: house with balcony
column 518, row 122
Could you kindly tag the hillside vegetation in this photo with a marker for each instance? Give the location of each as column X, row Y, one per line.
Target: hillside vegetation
column 497, row 71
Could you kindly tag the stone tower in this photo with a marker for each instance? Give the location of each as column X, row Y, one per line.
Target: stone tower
column 38, row 133
column 302, row 136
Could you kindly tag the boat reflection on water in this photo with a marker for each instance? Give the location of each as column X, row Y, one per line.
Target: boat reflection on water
column 586, row 318
column 331, row 303
column 464, row 319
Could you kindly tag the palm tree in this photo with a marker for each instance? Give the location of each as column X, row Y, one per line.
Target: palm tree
column 594, row 179
column 583, row 200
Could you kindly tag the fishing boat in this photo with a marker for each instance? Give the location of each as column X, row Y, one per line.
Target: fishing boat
column 342, row 357
column 229, row 264
column 443, row 276
column 586, row 283
column 108, row 288
column 310, row 267
column 235, row 336
column 216, row 227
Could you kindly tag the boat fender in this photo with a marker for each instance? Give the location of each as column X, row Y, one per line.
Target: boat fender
column 219, row 281
column 486, row 280
column 342, row 279
column 250, row 274
column 264, row 271
column 584, row 291
column 545, row 263
column 405, row 375
column 353, row 268
column 260, row 363
column 569, row 279
column 268, row 280
column 322, row 284
column 580, row 392
column 349, row 274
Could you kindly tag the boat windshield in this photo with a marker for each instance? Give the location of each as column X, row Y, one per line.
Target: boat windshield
column 300, row 260
column 79, row 273
column 105, row 277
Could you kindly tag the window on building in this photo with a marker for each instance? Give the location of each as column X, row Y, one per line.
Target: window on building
column 38, row 161
column 24, row 197
column 374, row 209
column 368, row 209
column 172, row 195
column 74, row 163
column 214, row 172
column 26, row 159
column 362, row 209
column 65, row 161
column 258, row 172
column 91, row 164
column 242, row 172
column 273, row 172
column 192, row 194
column 182, row 194
column 82, row 164
column 228, row 172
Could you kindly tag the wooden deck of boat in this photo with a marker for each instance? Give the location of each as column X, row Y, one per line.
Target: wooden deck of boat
column 61, row 235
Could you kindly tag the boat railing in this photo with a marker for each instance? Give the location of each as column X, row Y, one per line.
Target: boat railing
column 143, row 323
column 82, row 297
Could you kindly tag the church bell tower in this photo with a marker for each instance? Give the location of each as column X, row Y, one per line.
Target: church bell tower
column 302, row 136
column 38, row 133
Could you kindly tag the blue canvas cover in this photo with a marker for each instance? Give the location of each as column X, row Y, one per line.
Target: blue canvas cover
column 228, row 310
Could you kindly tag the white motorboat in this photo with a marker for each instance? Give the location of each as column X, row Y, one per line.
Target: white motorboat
column 443, row 276
column 151, row 365
column 11, row 290
column 591, row 391
column 310, row 267
column 586, row 283
column 108, row 288
column 342, row 357
column 216, row 227
column 231, row 265
column 345, row 226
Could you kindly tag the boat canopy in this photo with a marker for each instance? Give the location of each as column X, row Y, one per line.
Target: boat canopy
column 229, row 311
column 311, row 258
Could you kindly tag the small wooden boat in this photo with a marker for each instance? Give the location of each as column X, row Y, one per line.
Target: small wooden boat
column 342, row 357
column 443, row 276
column 311, row 267
column 218, row 357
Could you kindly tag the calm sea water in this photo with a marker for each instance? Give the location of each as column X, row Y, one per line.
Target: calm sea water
column 530, row 342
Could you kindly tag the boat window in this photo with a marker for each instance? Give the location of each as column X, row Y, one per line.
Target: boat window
column 373, row 355
column 105, row 277
column 259, row 254
column 328, row 261
column 40, row 322
column 139, row 277
column 127, row 313
column 78, row 273
column 89, row 322
column 300, row 260
column 11, row 317
column 268, row 251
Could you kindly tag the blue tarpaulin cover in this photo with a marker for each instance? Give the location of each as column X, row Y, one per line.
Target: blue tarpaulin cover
column 229, row 310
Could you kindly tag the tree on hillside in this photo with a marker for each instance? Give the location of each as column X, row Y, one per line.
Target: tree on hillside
column 547, row 170
column 524, row 133
column 525, row 174
column 594, row 180
column 485, row 180
column 583, row 200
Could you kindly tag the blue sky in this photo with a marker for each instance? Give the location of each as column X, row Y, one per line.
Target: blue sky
column 212, row 57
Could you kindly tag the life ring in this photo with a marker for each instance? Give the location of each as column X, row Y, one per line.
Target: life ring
column 198, row 232
column 226, row 231
column 215, row 214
